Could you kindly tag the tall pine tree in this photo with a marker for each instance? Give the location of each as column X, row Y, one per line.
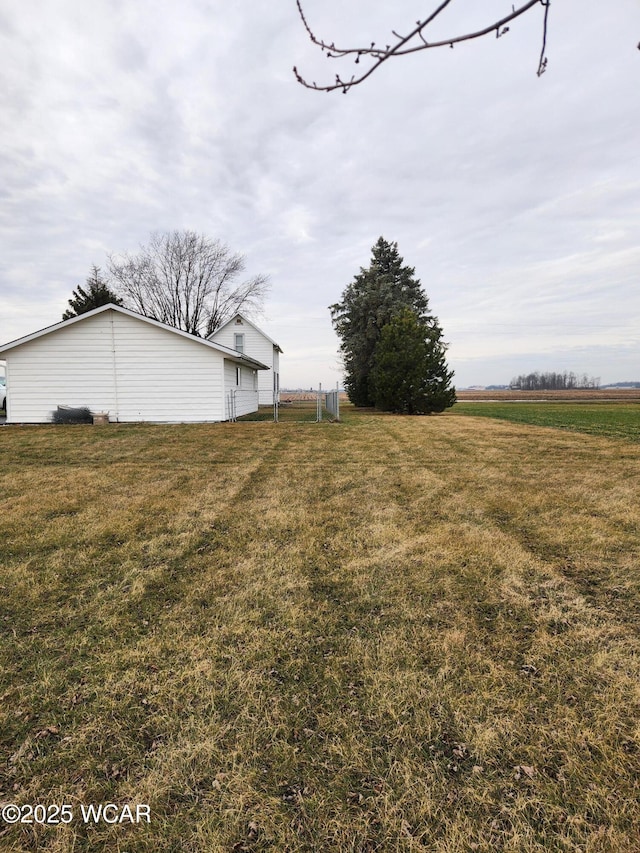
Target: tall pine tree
column 96, row 294
column 374, row 298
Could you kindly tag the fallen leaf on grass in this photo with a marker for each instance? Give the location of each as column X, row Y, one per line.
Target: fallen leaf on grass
column 521, row 770
column 21, row 752
column 407, row 829
column 49, row 730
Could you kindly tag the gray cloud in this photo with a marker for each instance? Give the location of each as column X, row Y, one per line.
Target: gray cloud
column 515, row 198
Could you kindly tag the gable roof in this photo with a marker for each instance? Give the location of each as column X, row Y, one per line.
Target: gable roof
column 229, row 353
column 249, row 323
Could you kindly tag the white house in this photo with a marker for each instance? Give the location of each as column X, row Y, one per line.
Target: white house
column 114, row 360
column 242, row 335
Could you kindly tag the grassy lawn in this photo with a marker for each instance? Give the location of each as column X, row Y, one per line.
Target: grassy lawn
column 616, row 420
column 389, row 634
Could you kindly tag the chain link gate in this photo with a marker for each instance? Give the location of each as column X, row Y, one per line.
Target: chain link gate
column 296, row 407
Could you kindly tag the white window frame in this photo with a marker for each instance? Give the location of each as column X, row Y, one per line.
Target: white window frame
column 238, row 342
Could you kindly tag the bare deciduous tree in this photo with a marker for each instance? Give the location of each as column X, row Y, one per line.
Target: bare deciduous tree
column 415, row 40
column 188, row 281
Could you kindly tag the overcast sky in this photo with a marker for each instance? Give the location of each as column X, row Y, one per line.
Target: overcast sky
column 516, row 198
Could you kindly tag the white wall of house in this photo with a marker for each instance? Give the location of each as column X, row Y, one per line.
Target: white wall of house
column 255, row 345
column 71, row 367
column 275, row 373
column 116, row 363
column 164, row 376
column 242, row 383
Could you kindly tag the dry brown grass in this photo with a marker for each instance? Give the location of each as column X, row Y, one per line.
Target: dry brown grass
column 393, row 634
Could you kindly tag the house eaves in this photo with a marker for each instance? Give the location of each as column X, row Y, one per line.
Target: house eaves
column 229, row 353
column 249, row 323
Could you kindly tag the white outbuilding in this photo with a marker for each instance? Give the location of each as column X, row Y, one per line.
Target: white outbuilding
column 113, row 360
column 243, row 336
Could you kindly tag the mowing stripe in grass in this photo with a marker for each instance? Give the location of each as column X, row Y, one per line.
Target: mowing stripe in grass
column 392, row 634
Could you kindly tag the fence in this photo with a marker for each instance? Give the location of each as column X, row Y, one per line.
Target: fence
column 240, row 403
column 332, row 403
column 231, row 406
column 298, row 407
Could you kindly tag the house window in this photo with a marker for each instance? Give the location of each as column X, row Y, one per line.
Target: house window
column 255, row 380
column 238, row 376
column 239, row 343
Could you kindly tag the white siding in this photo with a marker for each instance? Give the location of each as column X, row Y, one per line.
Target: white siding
column 275, row 374
column 117, row 364
column 165, row 377
column 68, row 367
column 245, row 397
column 257, row 346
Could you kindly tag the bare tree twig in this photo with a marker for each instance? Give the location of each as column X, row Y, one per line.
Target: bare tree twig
column 542, row 64
column 406, row 44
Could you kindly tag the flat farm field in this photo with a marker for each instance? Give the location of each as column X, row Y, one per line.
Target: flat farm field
column 387, row 634
column 611, row 413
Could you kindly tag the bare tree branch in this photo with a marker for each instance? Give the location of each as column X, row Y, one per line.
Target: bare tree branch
column 414, row 41
column 188, row 281
column 542, row 64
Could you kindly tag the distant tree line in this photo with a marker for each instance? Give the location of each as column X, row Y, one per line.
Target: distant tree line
column 624, row 385
column 553, row 381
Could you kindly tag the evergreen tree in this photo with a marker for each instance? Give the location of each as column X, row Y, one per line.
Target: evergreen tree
column 368, row 304
column 410, row 373
column 96, row 294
